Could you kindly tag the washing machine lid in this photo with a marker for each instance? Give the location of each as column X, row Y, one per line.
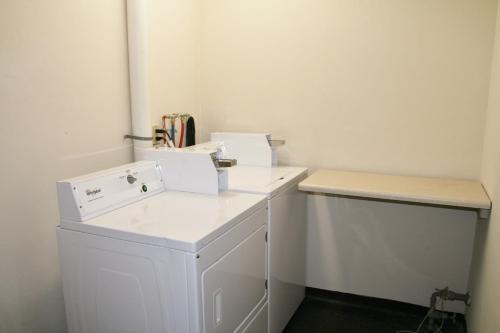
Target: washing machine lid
column 262, row 180
column 178, row 220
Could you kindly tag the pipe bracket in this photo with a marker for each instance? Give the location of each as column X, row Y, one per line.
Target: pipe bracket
column 140, row 138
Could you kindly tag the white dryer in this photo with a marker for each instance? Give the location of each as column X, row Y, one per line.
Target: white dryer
column 287, row 234
column 258, row 172
column 136, row 258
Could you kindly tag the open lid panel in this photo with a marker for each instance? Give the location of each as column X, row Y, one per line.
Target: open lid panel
column 88, row 196
column 255, row 149
column 192, row 169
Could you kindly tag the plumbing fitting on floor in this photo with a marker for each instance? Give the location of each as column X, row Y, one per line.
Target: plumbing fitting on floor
column 445, row 295
column 433, row 315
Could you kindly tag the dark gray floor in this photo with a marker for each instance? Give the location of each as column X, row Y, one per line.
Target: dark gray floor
column 340, row 313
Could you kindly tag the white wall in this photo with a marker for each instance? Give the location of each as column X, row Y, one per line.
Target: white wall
column 483, row 315
column 64, row 101
column 388, row 250
column 384, row 85
column 388, row 86
column 174, row 56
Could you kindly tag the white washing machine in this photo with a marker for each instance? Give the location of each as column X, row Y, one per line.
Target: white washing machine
column 256, row 172
column 137, row 258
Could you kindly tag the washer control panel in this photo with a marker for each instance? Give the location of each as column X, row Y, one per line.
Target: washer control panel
column 91, row 195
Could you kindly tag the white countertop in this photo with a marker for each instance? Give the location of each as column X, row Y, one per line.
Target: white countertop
column 434, row 191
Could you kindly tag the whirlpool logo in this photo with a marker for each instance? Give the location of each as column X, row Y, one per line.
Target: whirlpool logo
column 93, row 192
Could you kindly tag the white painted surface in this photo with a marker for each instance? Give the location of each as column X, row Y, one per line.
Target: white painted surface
column 248, row 148
column 138, row 37
column 189, row 170
column 287, row 255
column 437, row 191
column 388, row 86
column 84, row 197
column 388, row 250
column 174, row 58
column 64, row 101
column 259, row 323
column 267, row 181
column 231, row 290
column 183, row 221
column 116, row 285
column 286, row 238
column 483, row 315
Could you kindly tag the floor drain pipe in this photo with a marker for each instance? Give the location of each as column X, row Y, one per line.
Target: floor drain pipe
column 137, row 32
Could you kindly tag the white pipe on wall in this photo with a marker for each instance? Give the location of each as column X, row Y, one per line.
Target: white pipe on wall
column 137, row 26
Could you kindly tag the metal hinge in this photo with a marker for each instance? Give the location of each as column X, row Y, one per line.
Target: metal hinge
column 266, row 236
column 265, row 283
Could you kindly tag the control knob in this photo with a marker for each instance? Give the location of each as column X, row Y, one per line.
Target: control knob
column 131, row 179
